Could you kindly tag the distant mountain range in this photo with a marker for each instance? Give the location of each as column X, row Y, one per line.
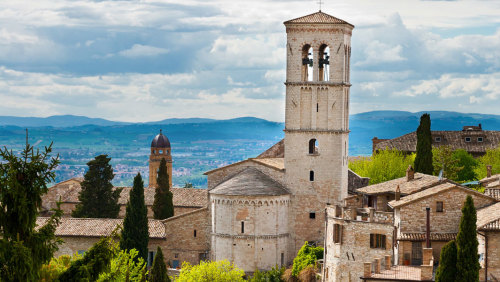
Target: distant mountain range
column 199, row 144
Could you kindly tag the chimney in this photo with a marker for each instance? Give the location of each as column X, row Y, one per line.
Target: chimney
column 410, row 173
column 480, row 127
column 488, row 171
column 398, row 193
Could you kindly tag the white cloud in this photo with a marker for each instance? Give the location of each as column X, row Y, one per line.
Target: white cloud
column 138, row 50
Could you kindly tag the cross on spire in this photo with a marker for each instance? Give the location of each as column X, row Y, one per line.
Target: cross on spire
column 320, row 2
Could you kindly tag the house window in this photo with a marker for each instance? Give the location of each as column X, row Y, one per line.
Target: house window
column 160, row 152
column 151, row 256
column 480, row 139
column 242, row 227
column 437, row 139
column 312, row 215
column 377, row 241
column 176, row 255
column 439, row 206
column 337, row 233
column 311, row 175
column 194, row 233
column 467, row 139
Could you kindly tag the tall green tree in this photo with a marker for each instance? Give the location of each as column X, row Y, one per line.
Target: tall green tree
column 383, row 166
column 492, row 157
column 135, row 234
column 163, row 205
column 423, row 160
column 467, row 254
column 442, row 159
column 159, row 270
column 23, row 181
column 468, row 164
column 97, row 198
column 447, row 270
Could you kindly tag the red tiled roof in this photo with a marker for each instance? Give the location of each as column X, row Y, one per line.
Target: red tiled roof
column 488, row 218
column 421, row 236
column 98, row 227
column 318, row 18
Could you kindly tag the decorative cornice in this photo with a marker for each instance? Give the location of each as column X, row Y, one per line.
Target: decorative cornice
column 251, row 236
column 318, row 29
column 340, row 131
column 317, row 83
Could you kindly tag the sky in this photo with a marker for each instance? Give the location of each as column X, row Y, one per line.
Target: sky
column 139, row 61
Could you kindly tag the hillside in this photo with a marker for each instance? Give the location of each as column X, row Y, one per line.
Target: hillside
column 198, row 144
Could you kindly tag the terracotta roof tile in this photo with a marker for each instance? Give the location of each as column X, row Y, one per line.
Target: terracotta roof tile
column 493, row 192
column 98, row 227
column 419, row 182
column 421, row 236
column 317, row 18
column 275, row 151
column 488, row 218
column 276, row 163
column 455, row 139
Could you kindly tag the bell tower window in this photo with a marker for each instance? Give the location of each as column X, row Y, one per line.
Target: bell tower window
column 307, row 63
column 313, row 146
column 324, row 63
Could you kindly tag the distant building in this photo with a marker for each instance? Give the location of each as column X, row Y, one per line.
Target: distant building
column 473, row 139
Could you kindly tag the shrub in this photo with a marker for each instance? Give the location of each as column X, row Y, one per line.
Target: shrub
column 307, row 255
column 308, row 274
column 208, row 271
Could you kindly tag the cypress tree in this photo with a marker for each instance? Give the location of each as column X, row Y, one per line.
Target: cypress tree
column 23, row 181
column 97, row 198
column 159, row 270
column 423, row 160
column 447, row 270
column 135, row 233
column 467, row 254
column 163, row 206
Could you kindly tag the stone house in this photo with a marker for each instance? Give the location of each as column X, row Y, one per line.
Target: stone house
column 473, row 139
column 488, row 235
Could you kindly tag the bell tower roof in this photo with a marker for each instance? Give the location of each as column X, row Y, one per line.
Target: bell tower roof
column 317, row 18
column 160, row 141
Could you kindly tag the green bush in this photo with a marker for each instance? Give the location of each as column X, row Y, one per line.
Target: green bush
column 211, row 271
column 273, row 275
column 56, row 266
column 307, row 255
column 126, row 266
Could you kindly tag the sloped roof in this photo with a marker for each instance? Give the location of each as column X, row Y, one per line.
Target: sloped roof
column 454, row 139
column 317, row 18
column 422, row 237
column 419, row 182
column 275, row 151
column 488, row 180
column 249, row 182
column 493, row 192
column 276, row 163
column 488, row 218
column 97, row 227
column 432, row 191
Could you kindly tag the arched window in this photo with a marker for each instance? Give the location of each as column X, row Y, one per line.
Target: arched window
column 307, row 63
column 313, row 146
column 324, row 63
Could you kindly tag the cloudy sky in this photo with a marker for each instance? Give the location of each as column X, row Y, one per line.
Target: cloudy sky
column 151, row 60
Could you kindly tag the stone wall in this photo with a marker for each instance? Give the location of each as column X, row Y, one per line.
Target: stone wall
column 182, row 244
column 344, row 260
column 493, row 254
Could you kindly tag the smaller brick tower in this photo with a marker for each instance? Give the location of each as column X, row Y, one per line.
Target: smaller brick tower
column 160, row 149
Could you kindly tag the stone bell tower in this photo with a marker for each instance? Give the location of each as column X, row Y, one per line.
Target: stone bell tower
column 316, row 120
column 160, row 149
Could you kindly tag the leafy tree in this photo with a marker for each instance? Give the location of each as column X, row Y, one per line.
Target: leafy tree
column 95, row 261
column 383, row 166
column 159, row 269
column 492, row 157
column 307, row 255
column 208, row 271
column 468, row 164
column 56, row 266
column 97, row 197
column 135, row 233
column 125, row 266
column 163, row 206
column 467, row 255
column 442, row 159
column 273, row 275
column 23, row 180
column 447, row 270
column 423, row 160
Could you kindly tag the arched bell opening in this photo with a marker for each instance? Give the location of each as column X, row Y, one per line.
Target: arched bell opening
column 307, row 63
column 324, row 63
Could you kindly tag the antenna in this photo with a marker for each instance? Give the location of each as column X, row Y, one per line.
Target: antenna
column 320, row 2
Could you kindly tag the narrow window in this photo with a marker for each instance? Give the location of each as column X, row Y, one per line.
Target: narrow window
column 467, row 139
column 336, row 233
column 312, row 215
column 151, row 256
column 439, row 206
column 480, row 139
column 194, row 233
column 313, row 144
column 324, row 63
column 311, row 175
column 282, row 259
column 242, row 227
column 307, row 63
column 317, row 107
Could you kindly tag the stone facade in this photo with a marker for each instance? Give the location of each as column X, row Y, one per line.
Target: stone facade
column 187, row 238
column 493, row 254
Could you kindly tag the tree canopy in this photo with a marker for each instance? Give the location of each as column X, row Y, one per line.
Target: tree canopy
column 97, row 198
column 423, row 160
column 307, row 255
column 442, row 159
column 468, row 164
column 467, row 253
column 135, row 233
column 383, row 166
column 492, row 157
column 23, row 181
column 163, row 206
column 208, row 271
